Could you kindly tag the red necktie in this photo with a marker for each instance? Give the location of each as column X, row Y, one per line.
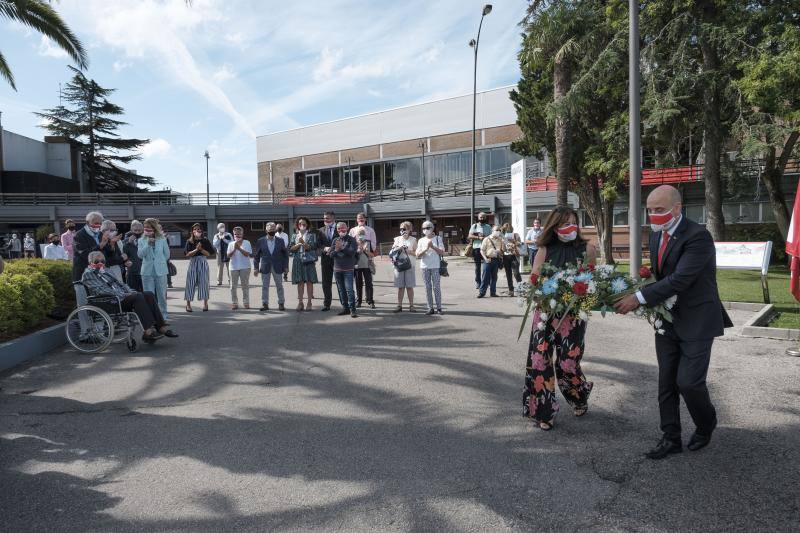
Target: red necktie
column 664, row 241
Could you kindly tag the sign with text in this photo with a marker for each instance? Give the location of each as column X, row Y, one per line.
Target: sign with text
column 518, row 206
column 744, row 255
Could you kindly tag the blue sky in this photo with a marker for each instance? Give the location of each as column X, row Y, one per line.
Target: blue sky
column 220, row 72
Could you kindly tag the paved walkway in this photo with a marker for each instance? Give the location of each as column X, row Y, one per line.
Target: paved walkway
column 289, row 421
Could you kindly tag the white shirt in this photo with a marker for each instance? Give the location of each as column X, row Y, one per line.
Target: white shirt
column 368, row 232
column 408, row 242
column 670, row 232
column 55, row 251
column 430, row 259
column 532, row 235
column 30, row 244
column 238, row 259
column 285, row 238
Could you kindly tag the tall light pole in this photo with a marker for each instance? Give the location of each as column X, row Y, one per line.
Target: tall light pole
column 634, row 142
column 421, row 146
column 208, row 194
column 474, row 44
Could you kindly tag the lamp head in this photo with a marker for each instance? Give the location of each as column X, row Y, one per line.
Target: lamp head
column 206, row 155
column 487, row 9
column 472, row 43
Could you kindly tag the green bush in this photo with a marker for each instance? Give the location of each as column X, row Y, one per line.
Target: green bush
column 59, row 273
column 760, row 233
column 25, row 299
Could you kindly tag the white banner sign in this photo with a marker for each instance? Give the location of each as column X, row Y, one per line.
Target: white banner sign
column 744, row 255
column 518, row 206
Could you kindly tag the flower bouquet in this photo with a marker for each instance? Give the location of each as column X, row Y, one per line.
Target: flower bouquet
column 566, row 292
column 576, row 290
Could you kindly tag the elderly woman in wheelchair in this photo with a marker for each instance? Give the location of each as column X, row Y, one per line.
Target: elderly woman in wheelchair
column 93, row 327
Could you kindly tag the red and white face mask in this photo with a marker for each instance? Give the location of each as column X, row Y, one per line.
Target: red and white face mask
column 567, row 233
column 661, row 222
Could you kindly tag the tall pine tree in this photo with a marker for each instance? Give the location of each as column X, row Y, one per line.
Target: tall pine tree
column 88, row 120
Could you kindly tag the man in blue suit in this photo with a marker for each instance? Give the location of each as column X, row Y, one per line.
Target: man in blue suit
column 683, row 256
column 270, row 258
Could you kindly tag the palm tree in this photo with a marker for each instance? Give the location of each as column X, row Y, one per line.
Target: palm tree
column 40, row 16
column 558, row 34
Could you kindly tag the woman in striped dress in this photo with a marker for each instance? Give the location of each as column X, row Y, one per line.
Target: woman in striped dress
column 197, row 249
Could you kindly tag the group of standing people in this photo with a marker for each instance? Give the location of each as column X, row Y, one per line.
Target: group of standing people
column 495, row 248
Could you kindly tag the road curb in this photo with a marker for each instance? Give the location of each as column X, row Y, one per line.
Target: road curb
column 756, row 326
column 25, row 348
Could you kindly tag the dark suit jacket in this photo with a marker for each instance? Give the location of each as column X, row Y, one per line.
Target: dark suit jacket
column 323, row 242
column 266, row 262
column 82, row 245
column 688, row 270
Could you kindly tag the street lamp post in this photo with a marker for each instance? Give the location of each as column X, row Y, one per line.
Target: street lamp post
column 421, row 146
column 474, row 44
column 208, row 193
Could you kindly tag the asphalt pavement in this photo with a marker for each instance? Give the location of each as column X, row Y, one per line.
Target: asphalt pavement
column 309, row 421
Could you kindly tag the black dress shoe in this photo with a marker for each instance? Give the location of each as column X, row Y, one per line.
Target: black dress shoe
column 698, row 441
column 171, row 334
column 264, row 307
column 281, row 307
column 664, row 448
column 343, row 312
column 353, row 314
column 326, row 308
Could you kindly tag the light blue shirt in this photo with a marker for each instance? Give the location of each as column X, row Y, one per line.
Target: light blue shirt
column 271, row 245
column 154, row 258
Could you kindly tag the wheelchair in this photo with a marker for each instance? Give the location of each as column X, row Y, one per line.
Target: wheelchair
column 93, row 327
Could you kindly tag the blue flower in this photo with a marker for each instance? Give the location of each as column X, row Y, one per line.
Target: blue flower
column 584, row 277
column 618, row 285
column 549, row 287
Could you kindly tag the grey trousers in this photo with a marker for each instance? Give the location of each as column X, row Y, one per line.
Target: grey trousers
column 265, row 283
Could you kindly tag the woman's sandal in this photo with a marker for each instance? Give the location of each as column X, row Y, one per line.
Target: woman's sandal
column 308, row 306
column 189, row 309
column 581, row 410
column 545, row 426
column 300, row 306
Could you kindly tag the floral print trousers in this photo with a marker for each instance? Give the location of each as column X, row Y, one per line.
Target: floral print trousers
column 539, row 399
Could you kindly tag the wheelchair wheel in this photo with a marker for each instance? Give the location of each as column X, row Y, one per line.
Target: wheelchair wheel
column 89, row 329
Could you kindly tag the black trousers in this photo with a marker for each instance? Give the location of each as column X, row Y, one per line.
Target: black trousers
column 682, row 371
column 478, row 258
column 134, row 281
column 364, row 277
column 511, row 272
column 326, row 265
column 146, row 308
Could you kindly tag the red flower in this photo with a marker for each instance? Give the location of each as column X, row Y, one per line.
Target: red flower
column 591, row 267
column 580, row 288
column 645, row 273
column 534, row 279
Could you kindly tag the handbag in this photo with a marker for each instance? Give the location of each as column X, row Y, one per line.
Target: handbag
column 401, row 262
column 308, row 257
column 467, row 252
column 443, row 268
column 173, row 271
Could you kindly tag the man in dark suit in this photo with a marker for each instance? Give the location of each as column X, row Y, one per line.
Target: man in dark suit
column 270, row 257
column 326, row 236
column 683, row 256
column 89, row 239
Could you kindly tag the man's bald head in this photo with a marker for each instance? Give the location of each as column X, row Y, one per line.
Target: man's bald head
column 664, row 199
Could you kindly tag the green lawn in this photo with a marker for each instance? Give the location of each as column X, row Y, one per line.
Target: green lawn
column 745, row 286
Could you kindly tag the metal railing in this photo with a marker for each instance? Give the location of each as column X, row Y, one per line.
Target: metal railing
column 171, row 198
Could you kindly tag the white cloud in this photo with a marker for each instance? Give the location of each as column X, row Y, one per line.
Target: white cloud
column 48, row 49
column 224, row 74
column 119, row 66
column 156, row 148
column 328, row 60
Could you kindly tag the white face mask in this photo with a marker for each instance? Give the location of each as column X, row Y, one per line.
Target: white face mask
column 428, row 231
column 496, row 233
column 569, row 237
column 666, row 221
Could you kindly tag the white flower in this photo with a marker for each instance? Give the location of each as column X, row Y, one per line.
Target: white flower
column 571, row 280
column 540, row 326
column 543, row 317
column 639, row 311
column 583, row 316
column 669, row 303
column 660, row 331
column 658, row 323
column 591, row 287
column 553, row 303
column 537, row 292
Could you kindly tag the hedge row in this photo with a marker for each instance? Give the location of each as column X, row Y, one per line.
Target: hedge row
column 31, row 289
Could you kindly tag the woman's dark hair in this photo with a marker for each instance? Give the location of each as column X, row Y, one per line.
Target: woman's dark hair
column 557, row 218
column 304, row 219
